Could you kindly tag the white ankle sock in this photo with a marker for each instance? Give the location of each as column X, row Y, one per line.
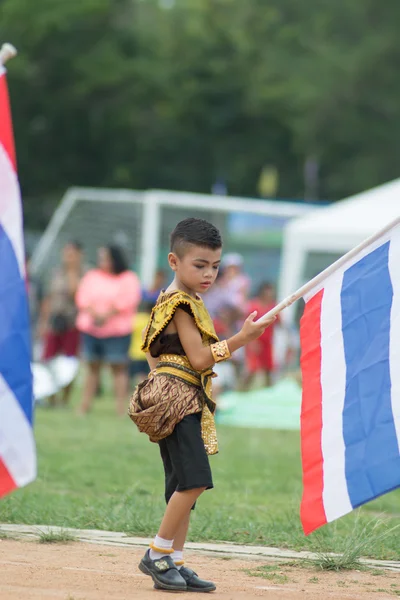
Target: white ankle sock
column 177, row 557
column 162, row 545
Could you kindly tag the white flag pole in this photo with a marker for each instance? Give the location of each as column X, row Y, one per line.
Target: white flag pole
column 7, row 51
column 328, row 271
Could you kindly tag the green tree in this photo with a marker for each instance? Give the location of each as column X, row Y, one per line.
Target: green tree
column 142, row 93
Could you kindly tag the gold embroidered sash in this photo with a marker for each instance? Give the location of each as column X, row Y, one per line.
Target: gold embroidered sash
column 180, row 367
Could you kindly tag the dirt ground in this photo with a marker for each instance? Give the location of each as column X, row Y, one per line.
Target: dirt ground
column 78, row 571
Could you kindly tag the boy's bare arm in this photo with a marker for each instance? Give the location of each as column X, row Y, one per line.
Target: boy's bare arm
column 151, row 360
column 200, row 357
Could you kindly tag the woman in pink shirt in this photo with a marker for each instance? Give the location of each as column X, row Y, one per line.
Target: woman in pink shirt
column 107, row 300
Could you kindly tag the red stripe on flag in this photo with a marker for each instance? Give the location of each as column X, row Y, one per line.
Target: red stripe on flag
column 6, row 131
column 7, row 483
column 312, row 510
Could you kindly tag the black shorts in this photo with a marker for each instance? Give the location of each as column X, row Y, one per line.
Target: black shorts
column 185, row 460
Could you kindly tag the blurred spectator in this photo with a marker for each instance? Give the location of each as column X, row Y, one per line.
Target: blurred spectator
column 234, row 282
column 153, row 292
column 107, row 300
column 35, row 296
column 138, row 366
column 259, row 353
column 227, row 323
column 58, row 311
column 217, row 297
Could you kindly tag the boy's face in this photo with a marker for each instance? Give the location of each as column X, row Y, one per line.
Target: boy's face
column 197, row 269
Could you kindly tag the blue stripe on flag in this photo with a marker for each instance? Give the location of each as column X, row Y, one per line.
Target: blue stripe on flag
column 15, row 346
column 372, row 451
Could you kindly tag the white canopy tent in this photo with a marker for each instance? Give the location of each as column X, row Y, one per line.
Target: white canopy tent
column 314, row 241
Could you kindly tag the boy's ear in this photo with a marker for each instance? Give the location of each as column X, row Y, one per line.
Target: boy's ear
column 173, row 261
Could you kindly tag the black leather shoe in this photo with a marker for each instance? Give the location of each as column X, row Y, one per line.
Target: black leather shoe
column 194, row 583
column 163, row 572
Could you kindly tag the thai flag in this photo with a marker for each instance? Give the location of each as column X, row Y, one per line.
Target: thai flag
column 17, row 446
column 350, row 422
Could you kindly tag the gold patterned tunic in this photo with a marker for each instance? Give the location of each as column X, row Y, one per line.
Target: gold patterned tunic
column 174, row 388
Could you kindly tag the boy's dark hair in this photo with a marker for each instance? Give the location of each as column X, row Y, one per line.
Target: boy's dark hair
column 196, row 232
column 119, row 262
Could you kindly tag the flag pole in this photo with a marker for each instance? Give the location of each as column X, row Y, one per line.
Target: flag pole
column 328, row 271
column 7, row 51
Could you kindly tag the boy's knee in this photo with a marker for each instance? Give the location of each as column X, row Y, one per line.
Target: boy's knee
column 199, row 490
column 195, row 491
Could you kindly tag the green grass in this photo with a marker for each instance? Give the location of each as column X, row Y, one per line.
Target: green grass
column 6, row 536
column 357, row 544
column 99, row 472
column 269, row 572
column 55, row 537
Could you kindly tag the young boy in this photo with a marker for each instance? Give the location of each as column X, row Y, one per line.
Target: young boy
column 174, row 404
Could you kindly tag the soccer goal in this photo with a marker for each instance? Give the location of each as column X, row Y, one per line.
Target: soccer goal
column 140, row 222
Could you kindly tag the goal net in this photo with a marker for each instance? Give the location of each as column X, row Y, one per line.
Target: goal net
column 94, row 218
column 141, row 222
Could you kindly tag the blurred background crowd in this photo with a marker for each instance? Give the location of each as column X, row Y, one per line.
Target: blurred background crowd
column 276, row 105
column 97, row 313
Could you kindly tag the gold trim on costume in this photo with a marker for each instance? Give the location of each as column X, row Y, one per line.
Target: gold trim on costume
column 220, row 351
column 164, row 310
column 208, row 431
column 175, row 364
column 179, row 359
column 170, row 370
column 179, row 366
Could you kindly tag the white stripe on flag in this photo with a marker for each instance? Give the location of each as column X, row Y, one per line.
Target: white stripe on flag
column 17, row 445
column 333, row 381
column 10, row 207
column 352, row 261
column 394, row 351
